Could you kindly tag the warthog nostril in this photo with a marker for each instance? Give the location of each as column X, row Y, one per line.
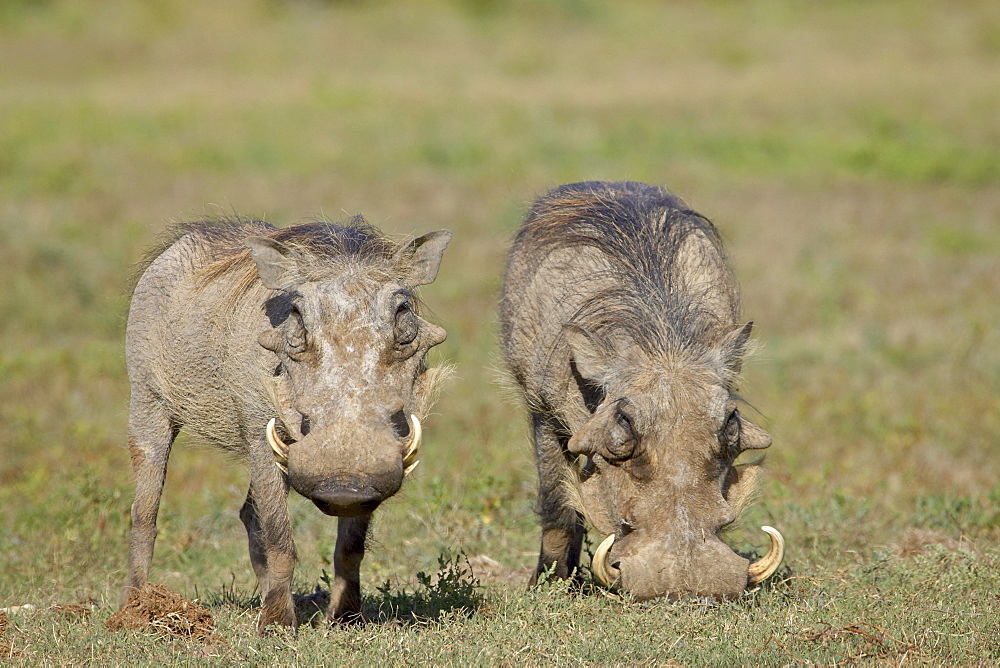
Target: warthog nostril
column 400, row 425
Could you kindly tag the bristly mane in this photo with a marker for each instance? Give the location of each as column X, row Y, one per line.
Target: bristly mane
column 640, row 229
column 216, row 232
column 325, row 247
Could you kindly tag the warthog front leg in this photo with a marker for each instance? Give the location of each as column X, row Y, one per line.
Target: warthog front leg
column 255, row 538
column 150, row 435
column 269, row 534
column 562, row 526
column 345, row 597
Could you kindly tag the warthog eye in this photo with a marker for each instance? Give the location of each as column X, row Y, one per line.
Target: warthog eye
column 406, row 328
column 622, row 444
column 406, row 325
column 625, row 422
column 729, row 437
column 296, row 336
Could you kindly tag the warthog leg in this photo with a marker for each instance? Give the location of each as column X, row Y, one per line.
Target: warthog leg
column 258, row 553
column 345, row 597
column 562, row 526
column 151, row 432
column 269, row 534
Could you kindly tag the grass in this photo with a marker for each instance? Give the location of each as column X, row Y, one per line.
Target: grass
column 848, row 152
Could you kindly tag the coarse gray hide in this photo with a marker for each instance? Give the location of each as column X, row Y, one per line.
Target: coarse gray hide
column 300, row 349
column 620, row 324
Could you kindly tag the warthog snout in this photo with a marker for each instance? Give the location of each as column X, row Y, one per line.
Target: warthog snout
column 348, row 481
column 347, row 498
column 655, row 569
column 705, row 567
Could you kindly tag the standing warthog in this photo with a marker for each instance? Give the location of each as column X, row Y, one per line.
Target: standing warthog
column 252, row 337
column 619, row 320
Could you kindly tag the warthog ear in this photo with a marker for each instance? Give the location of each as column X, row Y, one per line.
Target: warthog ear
column 591, row 353
column 276, row 263
column 734, row 347
column 422, row 256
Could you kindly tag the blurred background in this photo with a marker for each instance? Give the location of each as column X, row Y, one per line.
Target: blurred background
column 849, row 152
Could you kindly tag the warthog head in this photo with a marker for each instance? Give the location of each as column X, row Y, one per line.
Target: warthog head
column 658, row 478
column 350, row 377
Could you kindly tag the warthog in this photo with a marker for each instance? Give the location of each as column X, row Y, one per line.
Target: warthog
column 302, row 351
column 619, row 321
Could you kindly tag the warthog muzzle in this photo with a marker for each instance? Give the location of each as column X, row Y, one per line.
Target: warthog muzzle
column 345, row 488
column 708, row 568
column 346, row 499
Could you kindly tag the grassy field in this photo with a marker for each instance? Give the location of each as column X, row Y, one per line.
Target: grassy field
column 849, row 152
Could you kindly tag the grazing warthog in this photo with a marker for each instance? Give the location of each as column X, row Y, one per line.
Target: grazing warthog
column 619, row 321
column 302, row 351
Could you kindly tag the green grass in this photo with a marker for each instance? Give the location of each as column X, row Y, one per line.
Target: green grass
column 849, row 152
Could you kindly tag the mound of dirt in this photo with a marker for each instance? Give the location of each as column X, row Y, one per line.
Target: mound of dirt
column 158, row 609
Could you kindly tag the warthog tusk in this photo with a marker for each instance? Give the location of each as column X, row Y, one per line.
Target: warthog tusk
column 410, row 460
column 765, row 567
column 279, row 447
column 606, row 574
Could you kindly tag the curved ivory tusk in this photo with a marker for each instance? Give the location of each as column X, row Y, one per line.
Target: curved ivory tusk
column 765, row 567
column 279, row 447
column 410, row 460
column 606, row 574
column 409, row 468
